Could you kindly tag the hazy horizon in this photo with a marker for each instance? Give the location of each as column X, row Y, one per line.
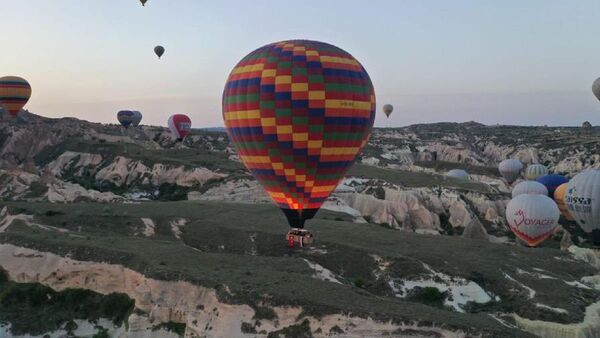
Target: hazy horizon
column 513, row 63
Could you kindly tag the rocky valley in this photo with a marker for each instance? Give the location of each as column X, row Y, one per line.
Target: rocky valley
column 180, row 240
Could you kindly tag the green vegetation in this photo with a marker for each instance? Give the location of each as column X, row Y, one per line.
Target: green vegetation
column 37, row 309
column 301, row 330
column 36, row 189
column 428, row 295
column 177, row 328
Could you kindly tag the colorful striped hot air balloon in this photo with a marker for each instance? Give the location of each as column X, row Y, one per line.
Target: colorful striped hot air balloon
column 14, row 94
column 534, row 171
column 298, row 113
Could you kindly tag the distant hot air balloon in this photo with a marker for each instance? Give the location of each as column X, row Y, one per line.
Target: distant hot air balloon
column 532, row 218
column 510, row 169
column 125, row 117
column 137, row 118
column 552, row 181
column 458, row 174
column 583, row 201
column 529, row 187
column 559, row 198
column 388, row 109
column 143, row 2
column 298, row 113
column 14, row 94
column 180, row 126
column 159, row 51
column 534, row 171
column 596, row 88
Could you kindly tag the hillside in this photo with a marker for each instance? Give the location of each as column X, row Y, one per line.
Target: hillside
column 187, row 235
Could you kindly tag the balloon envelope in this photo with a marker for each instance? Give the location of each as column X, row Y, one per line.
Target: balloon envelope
column 180, row 125
column 552, row 181
column 510, row 169
column 298, row 113
column 583, row 201
column 125, row 117
column 137, row 118
column 143, row 2
column 14, row 94
column 534, row 171
column 459, row 174
column 159, row 51
column 596, row 88
column 559, row 198
column 388, row 109
column 532, row 218
column 529, row 187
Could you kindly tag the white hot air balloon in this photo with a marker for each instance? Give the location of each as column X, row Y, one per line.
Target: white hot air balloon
column 534, row 171
column 532, row 218
column 596, row 88
column 388, row 109
column 458, row 174
column 529, row 187
column 510, row 169
column 583, row 201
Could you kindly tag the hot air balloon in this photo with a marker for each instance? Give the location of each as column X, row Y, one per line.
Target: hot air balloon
column 458, row 174
column 559, row 198
column 510, row 169
column 298, row 113
column 583, row 201
column 125, row 117
column 532, row 218
column 137, row 118
column 388, row 109
column 159, row 51
column 552, row 181
column 180, row 126
column 143, row 2
column 596, row 88
column 534, row 171
column 529, row 187
column 14, row 94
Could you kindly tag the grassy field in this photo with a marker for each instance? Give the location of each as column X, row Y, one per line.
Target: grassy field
column 242, row 246
column 416, row 179
column 471, row 169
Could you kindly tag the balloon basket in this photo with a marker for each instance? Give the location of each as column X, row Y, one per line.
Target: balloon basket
column 299, row 238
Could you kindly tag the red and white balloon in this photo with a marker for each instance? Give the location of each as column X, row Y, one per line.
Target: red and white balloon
column 532, row 218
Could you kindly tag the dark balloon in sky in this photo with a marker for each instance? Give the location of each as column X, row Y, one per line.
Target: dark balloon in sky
column 159, row 51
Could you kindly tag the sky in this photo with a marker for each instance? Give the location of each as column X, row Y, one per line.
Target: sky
column 528, row 62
